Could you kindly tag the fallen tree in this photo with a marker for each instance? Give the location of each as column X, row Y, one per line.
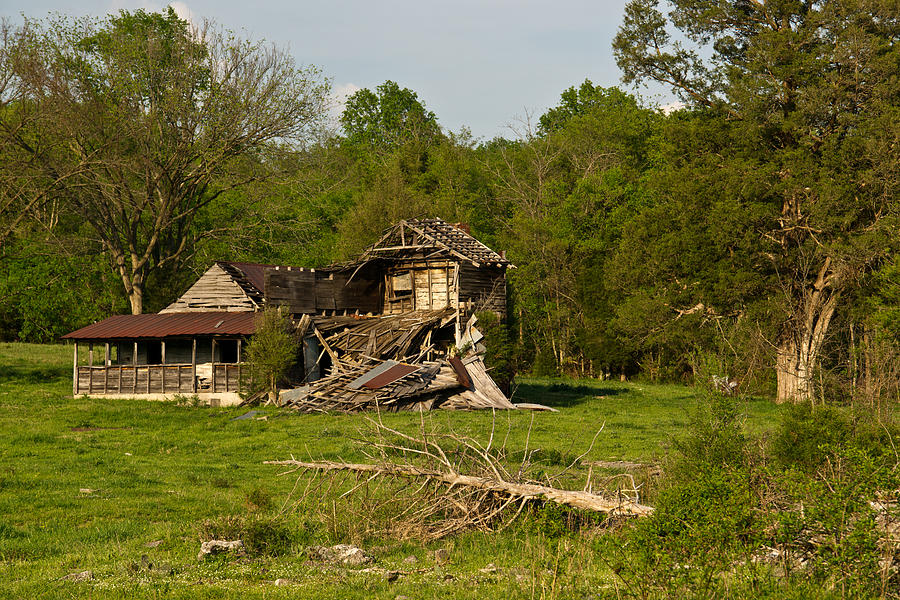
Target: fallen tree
column 519, row 491
column 435, row 484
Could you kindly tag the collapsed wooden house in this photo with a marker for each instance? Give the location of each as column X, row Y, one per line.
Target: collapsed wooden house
column 409, row 298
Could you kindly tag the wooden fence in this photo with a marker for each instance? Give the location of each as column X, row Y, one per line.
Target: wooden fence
column 158, row 379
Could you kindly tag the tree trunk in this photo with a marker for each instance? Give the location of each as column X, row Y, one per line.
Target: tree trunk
column 798, row 352
column 136, row 297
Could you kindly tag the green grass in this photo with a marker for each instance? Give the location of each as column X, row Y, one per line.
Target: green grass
column 157, row 471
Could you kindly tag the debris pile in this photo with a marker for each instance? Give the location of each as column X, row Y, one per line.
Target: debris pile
column 396, row 362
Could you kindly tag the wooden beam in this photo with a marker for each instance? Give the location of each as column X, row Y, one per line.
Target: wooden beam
column 134, row 369
column 194, row 366
column 334, row 359
column 106, row 369
column 405, row 247
column 162, row 357
column 75, row 372
column 213, row 363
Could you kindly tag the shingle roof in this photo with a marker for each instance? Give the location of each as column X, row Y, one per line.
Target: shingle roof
column 253, row 273
column 156, row 326
column 443, row 235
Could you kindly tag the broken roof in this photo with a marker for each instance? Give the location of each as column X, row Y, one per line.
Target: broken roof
column 156, row 326
column 424, row 234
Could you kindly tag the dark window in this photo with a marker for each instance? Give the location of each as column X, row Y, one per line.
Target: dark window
column 228, row 351
column 154, row 353
column 402, row 284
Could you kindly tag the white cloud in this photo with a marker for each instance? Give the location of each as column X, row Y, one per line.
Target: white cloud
column 338, row 100
column 668, row 109
column 181, row 9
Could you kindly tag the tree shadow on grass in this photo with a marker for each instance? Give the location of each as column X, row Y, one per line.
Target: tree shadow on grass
column 558, row 394
column 33, row 374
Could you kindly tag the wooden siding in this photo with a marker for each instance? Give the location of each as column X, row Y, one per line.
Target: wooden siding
column 482, row 289
column 158, row 379
column 430, row 288
column 216, row 290
column 294, row 288
column 310, row 292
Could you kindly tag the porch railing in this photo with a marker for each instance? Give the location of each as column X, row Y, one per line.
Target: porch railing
column 158, row 379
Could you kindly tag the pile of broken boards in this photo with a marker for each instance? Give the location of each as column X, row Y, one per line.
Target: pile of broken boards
column 396, row 362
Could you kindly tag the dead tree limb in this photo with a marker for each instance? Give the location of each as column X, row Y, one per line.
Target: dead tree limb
column 520, row 491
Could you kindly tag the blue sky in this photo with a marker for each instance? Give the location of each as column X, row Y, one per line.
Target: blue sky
column 481, row 64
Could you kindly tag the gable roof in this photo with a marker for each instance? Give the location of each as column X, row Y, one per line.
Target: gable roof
column 436, row 234
column 162, row 325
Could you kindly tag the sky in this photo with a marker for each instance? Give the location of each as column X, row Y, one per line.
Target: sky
column 487, row 65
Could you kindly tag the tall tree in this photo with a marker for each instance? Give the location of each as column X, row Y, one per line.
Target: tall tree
column 140, row 121
column 809, row 92
column 388, row 117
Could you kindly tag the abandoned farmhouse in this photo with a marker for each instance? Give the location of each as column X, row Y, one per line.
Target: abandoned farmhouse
column 395, row 326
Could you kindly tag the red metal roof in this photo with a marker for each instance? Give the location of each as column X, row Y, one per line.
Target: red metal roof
column 155, row 326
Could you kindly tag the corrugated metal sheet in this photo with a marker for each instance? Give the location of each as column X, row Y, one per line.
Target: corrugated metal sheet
column 371, row 374
column 155, row 326
column 390, row 376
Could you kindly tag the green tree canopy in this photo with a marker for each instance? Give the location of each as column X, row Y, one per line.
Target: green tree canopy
column 388, row 117
column 809, row 102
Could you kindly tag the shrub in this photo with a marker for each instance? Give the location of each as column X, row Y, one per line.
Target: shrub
column 272, row 351
column 261, row 535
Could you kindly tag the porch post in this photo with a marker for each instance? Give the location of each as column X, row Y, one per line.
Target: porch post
column 91, row 368
column 239, row 358
column 106, row 368
column 134, row 369
column 213, row 362
column 194, row 366
column 162, row 348
column 75, row 372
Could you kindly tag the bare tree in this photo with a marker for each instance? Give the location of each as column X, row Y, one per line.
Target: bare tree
column 139, row 122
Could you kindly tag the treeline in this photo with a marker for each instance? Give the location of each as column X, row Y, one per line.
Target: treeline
column 752, row 233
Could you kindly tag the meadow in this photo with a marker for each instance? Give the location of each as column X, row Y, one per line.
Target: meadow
column 125, row 489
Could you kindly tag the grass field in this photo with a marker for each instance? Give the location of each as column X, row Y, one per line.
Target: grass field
column 87, row 484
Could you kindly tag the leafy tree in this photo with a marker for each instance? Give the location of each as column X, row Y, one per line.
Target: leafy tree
column 807, row 98
column 388, row 117
column 562, row 197
column 272, row 351
column 139, row 122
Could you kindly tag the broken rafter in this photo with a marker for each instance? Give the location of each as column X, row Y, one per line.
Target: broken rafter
column 521, row 491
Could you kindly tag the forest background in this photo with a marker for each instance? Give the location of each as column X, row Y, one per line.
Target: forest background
column 754, row 230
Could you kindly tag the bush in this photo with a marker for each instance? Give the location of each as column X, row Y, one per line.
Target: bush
column 804, row 429
column 272, row 351
column 261, row 535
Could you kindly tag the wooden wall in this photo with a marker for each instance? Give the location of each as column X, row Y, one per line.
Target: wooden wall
column 482, row 288
column 420, row 288
column 306, row 291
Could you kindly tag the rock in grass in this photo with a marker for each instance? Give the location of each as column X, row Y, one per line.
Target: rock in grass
column 218, row 547
column 341, row 554
column 79, row 576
